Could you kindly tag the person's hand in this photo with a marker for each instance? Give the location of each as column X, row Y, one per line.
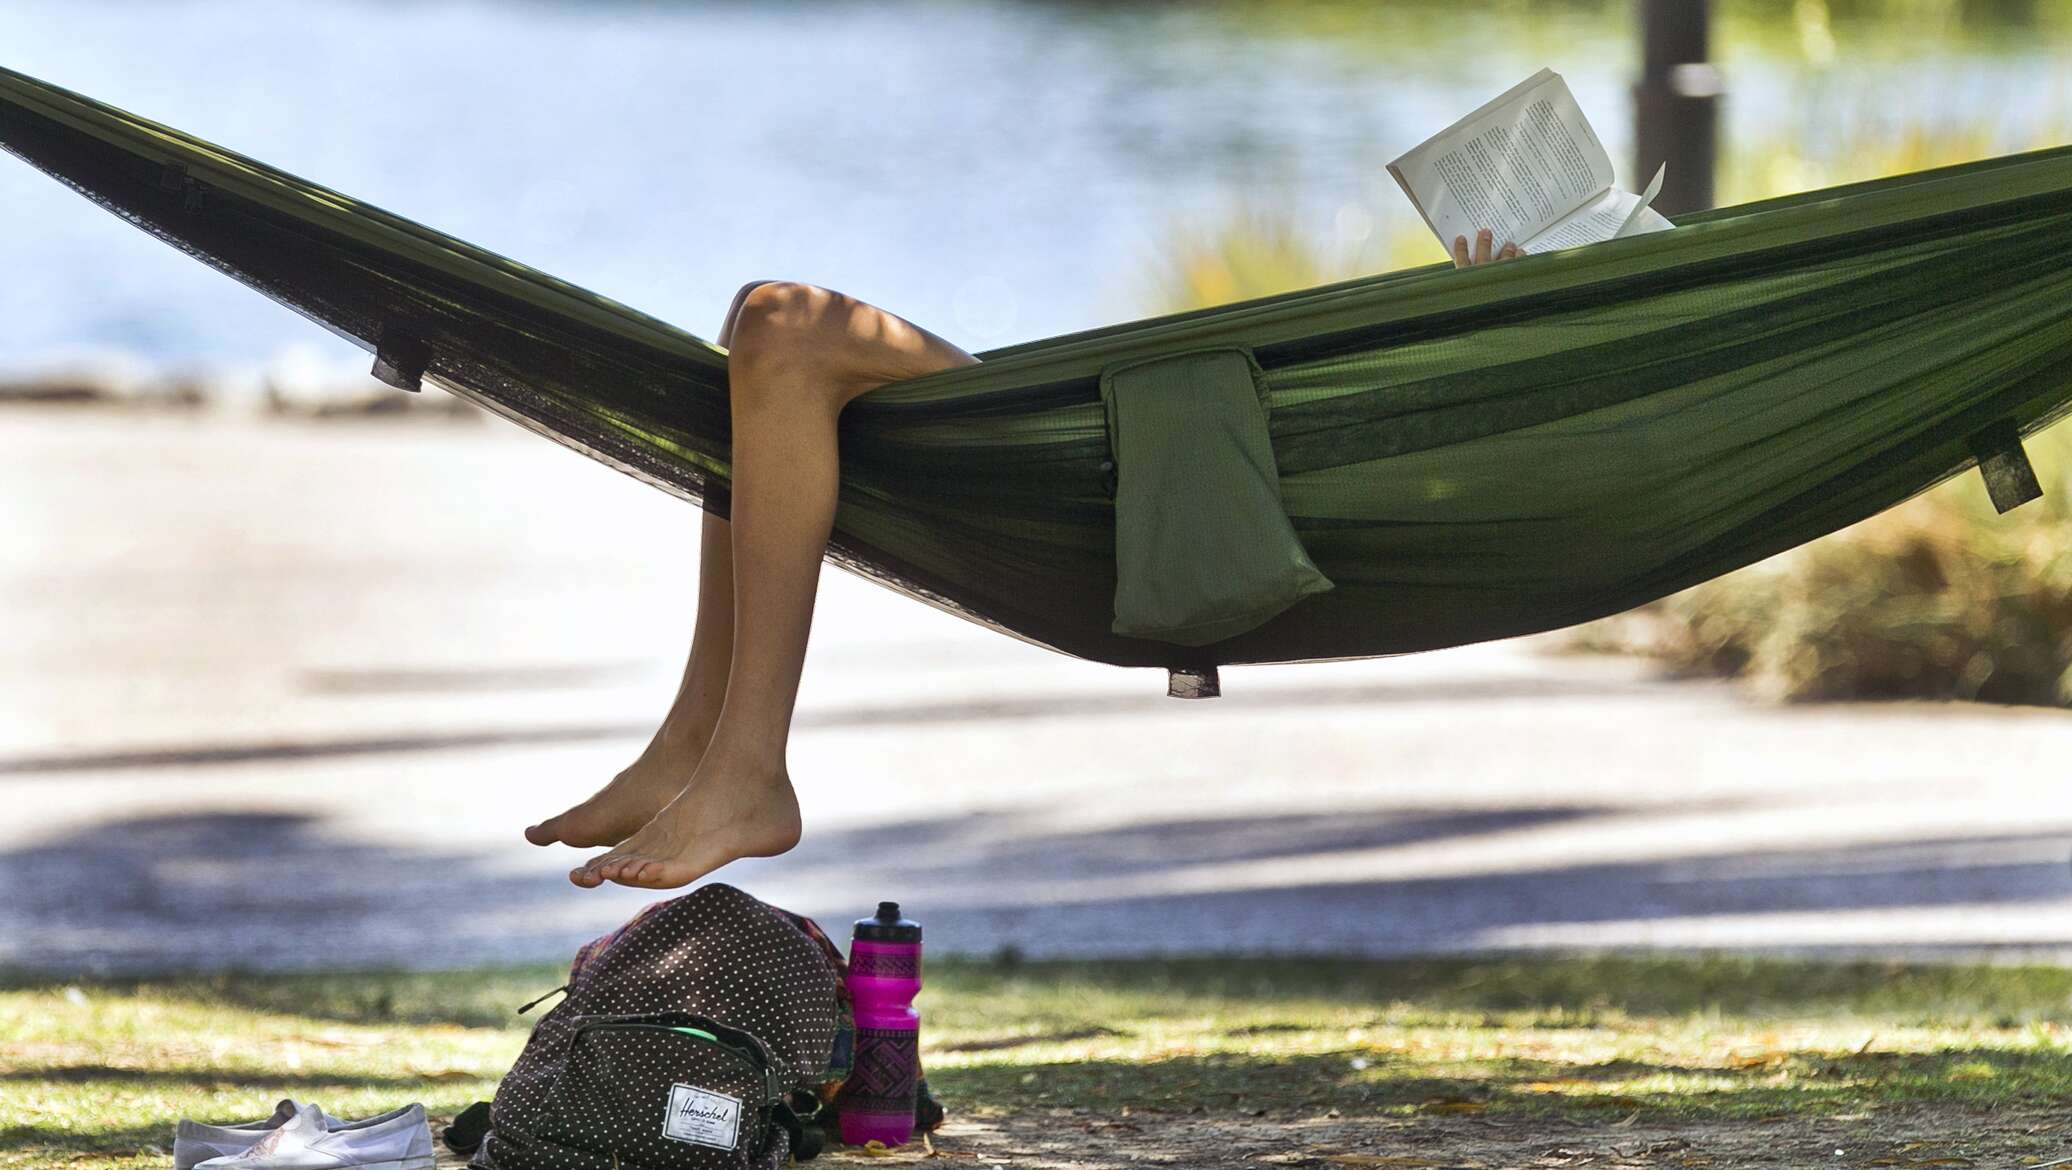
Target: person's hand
column 1461, row 257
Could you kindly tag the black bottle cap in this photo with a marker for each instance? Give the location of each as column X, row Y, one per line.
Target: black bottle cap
column 887, row 926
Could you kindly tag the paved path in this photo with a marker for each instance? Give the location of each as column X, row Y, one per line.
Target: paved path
column 282, row 694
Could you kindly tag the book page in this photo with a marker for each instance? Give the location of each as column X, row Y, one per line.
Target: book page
column 1516, row 166
column 1611, row 214
column 1637, row 222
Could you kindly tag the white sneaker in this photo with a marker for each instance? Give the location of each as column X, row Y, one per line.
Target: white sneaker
column 398, row 1141
column 194, row 1143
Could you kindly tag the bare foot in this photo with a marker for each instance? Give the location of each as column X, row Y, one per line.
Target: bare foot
column 726, row 814
column 631, row 800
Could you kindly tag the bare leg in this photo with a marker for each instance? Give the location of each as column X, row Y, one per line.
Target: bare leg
column 800, row 355
column 618, row 810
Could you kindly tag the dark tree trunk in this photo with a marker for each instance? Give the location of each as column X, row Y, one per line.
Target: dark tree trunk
column 1676, row 104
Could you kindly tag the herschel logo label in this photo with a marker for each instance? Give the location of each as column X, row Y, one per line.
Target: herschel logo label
column 702, row 1117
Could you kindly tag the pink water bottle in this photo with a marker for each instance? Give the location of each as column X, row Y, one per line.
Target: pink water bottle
column 877, row 1101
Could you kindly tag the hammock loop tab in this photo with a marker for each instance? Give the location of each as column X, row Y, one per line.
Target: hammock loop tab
column 400, row 360
column 2010, row 477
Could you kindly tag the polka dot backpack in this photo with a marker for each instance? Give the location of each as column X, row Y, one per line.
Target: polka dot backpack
column 692, row 1038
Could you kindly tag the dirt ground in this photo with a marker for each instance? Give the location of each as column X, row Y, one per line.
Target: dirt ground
column 1069, row 1139
column 1941, row 1136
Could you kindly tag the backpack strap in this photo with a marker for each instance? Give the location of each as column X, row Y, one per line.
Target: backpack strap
column 465, row 1135
column 807, row 1137
column 561, row 990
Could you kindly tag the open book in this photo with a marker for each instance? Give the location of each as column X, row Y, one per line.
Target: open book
column 1528, row 167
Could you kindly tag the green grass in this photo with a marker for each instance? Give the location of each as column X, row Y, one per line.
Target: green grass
column 95, row 1074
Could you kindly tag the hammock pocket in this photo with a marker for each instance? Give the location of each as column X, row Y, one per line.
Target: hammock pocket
column 1203, row 550
column 1395, row 463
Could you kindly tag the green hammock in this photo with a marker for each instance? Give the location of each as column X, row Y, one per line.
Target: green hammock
column 1390, row 464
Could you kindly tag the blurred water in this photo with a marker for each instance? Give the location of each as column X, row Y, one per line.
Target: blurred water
column 996, row 171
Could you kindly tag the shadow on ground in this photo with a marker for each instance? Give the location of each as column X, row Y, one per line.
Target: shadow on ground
column 248, row 891
column 220, row 891
column 52, row 765
column 993, row 881
column 119, row 1077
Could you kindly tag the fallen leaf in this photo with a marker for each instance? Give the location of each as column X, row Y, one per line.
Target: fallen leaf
column 1757, row 1059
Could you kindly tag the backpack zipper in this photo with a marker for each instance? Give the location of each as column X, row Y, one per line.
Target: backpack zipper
column 750, row 1054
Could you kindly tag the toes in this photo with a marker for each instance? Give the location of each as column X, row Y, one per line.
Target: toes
column 566, row 829
column 658, row 875
column 595, row 871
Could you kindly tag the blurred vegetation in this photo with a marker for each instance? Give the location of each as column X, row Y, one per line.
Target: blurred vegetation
column 1257, row 253
column 1846, row 131
column 1814, row 27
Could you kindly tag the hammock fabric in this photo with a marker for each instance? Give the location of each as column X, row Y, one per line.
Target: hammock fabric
column 1390, row 464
